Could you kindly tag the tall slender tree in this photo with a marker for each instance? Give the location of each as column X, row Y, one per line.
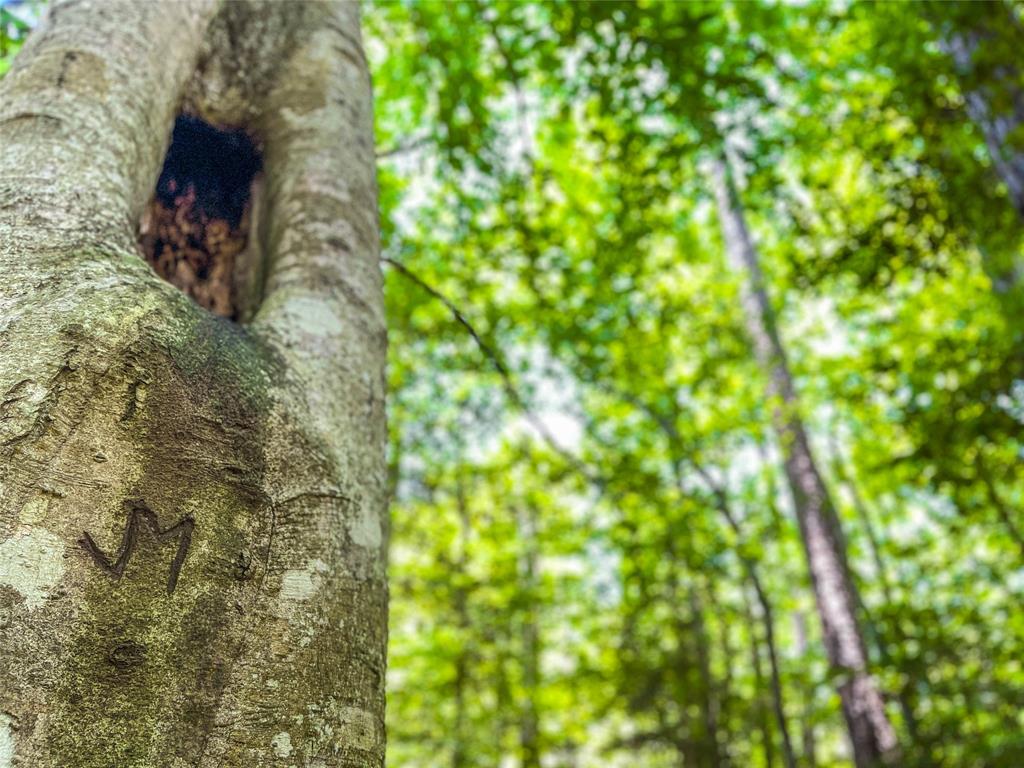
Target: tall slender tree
column 872, row 735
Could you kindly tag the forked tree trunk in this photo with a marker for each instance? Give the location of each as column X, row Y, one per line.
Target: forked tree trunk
column 871, row 734
column 191, row 510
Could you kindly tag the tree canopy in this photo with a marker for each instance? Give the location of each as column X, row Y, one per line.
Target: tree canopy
column 572, row 383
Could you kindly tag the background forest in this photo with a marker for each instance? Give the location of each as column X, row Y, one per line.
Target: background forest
column 689, row 301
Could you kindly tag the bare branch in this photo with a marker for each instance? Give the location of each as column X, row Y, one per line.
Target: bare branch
column 499, row 366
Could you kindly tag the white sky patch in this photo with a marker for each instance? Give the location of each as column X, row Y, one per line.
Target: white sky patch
column 555, row 400
column 820, row 327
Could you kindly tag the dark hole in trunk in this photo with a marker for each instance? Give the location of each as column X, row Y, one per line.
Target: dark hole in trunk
column 195, row 231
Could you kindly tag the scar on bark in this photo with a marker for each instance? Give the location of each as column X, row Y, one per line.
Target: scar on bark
column 140, row 515
column 195, row 231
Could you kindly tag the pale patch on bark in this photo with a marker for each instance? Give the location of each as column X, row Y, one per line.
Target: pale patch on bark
column 33, row 512
column 282, row 744
column 364, row 529
column 31, row 563
column 6, row 742
column 357, row 728
column 312, row 315
column 300, row 584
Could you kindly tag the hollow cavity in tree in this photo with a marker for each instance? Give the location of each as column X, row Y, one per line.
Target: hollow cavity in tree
column 195, row 231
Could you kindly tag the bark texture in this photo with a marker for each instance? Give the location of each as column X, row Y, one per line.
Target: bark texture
column 192, row 511
column 871, row 734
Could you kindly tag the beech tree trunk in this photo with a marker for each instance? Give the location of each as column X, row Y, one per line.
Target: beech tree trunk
column 871, row 734
column 192, row 511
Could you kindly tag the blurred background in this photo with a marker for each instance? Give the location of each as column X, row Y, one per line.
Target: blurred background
column 707, row 381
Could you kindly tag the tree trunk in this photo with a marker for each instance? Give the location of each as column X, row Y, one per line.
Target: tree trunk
column 993, row 95
column 750, row 569
column 529, row 721
column 763, row 716
column 807, row 716
column 872, row 736
column 847, row 479
column 778, row 706
column 463, row 660
column 191, row 510
column 983, row 39
column 709, row 700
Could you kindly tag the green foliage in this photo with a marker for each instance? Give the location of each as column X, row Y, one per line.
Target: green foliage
column 551, row 186
column 14, row 27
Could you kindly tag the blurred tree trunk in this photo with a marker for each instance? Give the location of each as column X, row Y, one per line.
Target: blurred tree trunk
column 763, row 717
column 191, row 510
column 710, row 687
column 847, row 479
column 696, row 630
column 806, row 717
column 529, row 728
column 750, row 568
column 871, row 734
column 460, row 581
column 767, row 618
column 695, row 740
column 984, row 39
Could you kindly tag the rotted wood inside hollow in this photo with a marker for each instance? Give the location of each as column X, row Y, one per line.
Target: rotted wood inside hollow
column 196, row 228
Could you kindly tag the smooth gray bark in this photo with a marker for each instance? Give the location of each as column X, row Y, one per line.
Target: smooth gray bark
column 871, row 734
column 191, row 511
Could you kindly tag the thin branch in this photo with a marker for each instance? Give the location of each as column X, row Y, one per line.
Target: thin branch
column 499, row 366
column 407, row 146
